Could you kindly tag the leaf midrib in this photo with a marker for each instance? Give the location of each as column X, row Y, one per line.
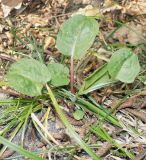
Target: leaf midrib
column 75, row 41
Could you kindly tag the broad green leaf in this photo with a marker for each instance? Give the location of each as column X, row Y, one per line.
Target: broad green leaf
column 28, row 76
column 124, row 66
column 78, row 114
column 77, row 35
column 98, row 79
column 59, row 74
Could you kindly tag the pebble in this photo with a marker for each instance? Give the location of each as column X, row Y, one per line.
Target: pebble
column 3, row 96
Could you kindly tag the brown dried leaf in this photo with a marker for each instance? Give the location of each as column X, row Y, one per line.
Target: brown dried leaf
column 110, row 5
column 135, row 7
column 121, row 34
column 133, row 34
column 89, row 10
column 8, row 5
column 135, row 38
column 81, row 131
column 104, row 149
column 10, row 38
column 82, row 1
column 141, row 155
column 49, row 42
column 11, row 3
column 37, row 20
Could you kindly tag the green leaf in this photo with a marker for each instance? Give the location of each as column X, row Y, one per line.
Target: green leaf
column 98, row 79
column 19, row 149
column 77, row 35
column 28, row 76
column 59, row 74
column 124, row 66
column 93, row 107
column 78, row 114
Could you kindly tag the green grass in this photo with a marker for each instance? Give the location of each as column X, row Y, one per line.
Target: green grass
column 17, row 113
column 19, row 149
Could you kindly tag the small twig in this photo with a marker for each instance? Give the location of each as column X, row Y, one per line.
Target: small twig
column 8, row 58
column 11, row 92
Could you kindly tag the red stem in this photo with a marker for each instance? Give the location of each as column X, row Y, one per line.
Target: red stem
column 72, row 75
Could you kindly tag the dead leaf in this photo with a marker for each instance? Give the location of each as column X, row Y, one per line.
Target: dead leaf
column 121, row 34
column 77, row 1
column 130, row 33
column 133, row 37
column 8, row 5
column 86, row 1
column 11, row 3
column 49, row 42
column 82, row 1
column 104, row 149
column 37, row 20
column 81, row 131
column 110, row 5
column 61, row 136
column 89, row 10
column 135, row 7
column 62, row 2
column 1, row 28
column 141, row 155
column 10, row 38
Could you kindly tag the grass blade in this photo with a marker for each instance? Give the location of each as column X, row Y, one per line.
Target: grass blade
column 19, row 149
column 104, row 135
column 70, row 128
column 93, row 108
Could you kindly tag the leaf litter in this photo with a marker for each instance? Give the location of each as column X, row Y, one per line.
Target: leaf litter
column 45, row 22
